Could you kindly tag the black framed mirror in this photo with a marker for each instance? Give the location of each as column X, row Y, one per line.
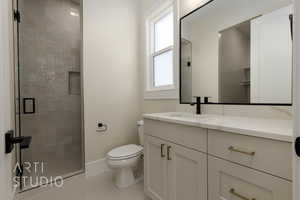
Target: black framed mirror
column 237, row 52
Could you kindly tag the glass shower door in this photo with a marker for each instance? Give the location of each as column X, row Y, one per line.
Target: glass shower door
column 49, row 85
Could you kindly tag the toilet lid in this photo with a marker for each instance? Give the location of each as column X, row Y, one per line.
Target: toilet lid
column 125, row 151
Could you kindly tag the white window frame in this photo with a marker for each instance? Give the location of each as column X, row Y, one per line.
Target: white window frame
column 161, row 15
column 167, row 91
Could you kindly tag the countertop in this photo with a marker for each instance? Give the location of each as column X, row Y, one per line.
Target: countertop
column 276, row 129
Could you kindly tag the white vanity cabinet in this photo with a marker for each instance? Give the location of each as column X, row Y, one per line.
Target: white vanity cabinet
column 270, row 156
column 173, row 171
column 229, row 181
column 185, row 162
column 187, row 174
column 155, row 168
column 189, row 136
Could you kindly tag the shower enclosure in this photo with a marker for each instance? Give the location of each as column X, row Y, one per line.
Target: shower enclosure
column 48, row 89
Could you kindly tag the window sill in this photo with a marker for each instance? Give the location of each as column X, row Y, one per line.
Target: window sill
column 156, row 94
column 157, row 89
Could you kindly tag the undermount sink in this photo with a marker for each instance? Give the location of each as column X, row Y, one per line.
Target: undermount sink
column 179, row 115
column 185, row 115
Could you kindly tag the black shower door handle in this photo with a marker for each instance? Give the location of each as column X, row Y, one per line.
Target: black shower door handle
column 291, row 17
column 25, row 102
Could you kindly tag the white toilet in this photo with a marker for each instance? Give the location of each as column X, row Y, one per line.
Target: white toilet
column 125, row 159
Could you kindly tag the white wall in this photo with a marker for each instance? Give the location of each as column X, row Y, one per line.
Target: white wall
column 114, row 75
column 5, row 97
column 111, row 78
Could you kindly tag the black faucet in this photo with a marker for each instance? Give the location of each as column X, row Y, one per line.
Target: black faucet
column 198, row 105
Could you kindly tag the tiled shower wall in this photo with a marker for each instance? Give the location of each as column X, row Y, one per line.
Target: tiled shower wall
column 50, row 41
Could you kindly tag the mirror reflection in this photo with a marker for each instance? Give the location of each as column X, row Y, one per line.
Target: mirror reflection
column 228, row 52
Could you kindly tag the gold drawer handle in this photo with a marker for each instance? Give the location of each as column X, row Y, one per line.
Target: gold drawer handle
column 168, row 152
column 162, row 151
column 233, row 192
column 231, row 148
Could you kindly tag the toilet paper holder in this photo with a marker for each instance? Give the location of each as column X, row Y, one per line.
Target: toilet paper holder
column 101, row 127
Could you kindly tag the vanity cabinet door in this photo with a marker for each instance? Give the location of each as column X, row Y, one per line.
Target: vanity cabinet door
column 155, row 168
column 229, row 181
column 187, row 173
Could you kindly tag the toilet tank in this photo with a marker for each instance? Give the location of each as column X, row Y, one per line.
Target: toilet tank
column 140, row 125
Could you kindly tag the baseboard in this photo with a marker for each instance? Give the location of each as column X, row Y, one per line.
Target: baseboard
column 96, row 167
column 14, row 192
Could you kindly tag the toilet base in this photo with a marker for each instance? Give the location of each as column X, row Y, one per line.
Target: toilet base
column 125, row 178
column 126, row 170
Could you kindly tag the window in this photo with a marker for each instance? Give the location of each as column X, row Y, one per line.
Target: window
column 160, row 48
column 161, row 81
column 162, row 55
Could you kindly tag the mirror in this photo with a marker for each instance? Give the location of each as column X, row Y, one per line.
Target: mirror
column 237, row 52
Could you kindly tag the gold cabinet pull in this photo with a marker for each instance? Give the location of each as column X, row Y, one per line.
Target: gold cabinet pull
column 168, row 152
column 233, row 192
column 232, row 148
column 162, row 146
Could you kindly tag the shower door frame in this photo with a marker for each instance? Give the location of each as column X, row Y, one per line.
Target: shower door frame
column 17, row 95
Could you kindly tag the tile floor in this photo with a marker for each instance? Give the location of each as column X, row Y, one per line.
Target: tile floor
column 79, row 188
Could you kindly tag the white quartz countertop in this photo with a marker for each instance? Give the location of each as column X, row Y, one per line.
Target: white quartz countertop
column 275, row 129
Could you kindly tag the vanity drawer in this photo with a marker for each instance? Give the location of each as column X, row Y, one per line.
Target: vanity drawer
column 271, row 156
column 232, row 181
column 191, row 137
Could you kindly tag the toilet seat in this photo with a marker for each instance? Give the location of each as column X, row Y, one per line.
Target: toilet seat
column 125, row 152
